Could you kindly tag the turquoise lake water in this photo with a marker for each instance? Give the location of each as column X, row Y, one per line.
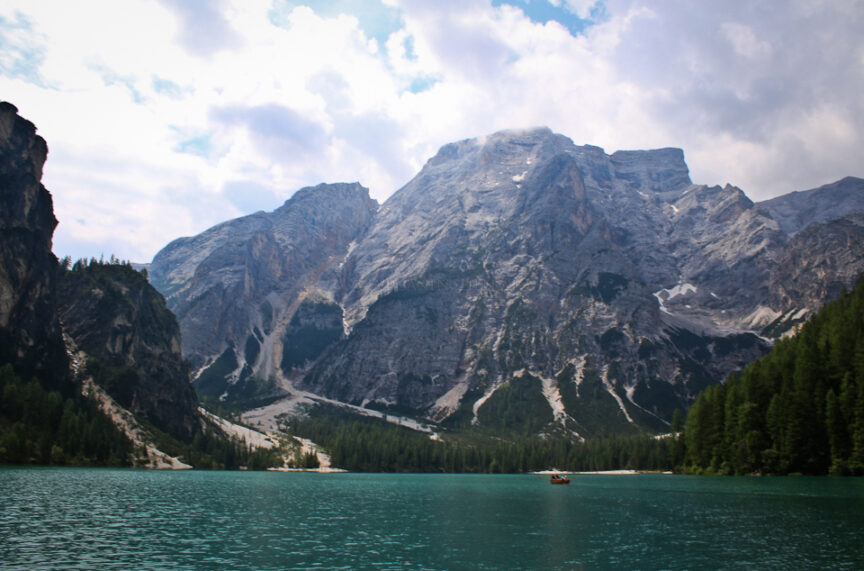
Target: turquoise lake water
column 79, row 518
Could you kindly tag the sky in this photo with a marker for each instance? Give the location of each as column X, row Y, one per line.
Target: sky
column 165, row 117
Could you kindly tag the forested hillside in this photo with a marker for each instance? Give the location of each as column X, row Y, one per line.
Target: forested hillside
column 42, row 426
column 800, row 409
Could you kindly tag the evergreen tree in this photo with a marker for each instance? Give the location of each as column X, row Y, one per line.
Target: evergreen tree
column 799, row 409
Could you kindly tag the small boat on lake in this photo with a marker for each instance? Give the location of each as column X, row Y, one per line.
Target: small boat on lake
column 558, row 479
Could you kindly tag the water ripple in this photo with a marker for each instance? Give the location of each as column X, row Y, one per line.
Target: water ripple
column 54, row 518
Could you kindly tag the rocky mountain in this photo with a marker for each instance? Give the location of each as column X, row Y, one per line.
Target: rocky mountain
column 521, row 264
column 236, row 287
column 30, row 335
column 132, row 343
column 518, row 282
column 797, row 210
column 819, row 263
column 60, row 330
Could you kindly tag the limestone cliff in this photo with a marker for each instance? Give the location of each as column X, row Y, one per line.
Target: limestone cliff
column 514, row 269
column 522, row 259
column 236, row 286
column 30, row 335
column 109, row 311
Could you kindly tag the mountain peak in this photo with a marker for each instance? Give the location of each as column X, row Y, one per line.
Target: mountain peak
column 335, row 190
column 662, row 169
column 605, row 289
column 796, row 210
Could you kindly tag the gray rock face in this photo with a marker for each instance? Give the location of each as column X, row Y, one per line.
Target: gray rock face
column 133, row 344
column 797, row 210
column 110, row 311
column 501, row 259
column 514, row 269
column 235, row 287
column 819, row 263
column 30, row 335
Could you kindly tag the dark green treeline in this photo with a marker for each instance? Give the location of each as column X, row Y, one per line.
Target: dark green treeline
column 800, row 409
column 373, row 445
column 41, row 426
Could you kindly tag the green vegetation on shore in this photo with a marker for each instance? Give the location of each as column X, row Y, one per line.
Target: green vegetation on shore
column 43, row 427
column 366, row 444
column 799, row 409
column 38, row 426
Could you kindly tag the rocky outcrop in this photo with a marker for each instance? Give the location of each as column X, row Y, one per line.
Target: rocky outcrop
column 518, row 269
column 30, row 335
column 111, row 311
column 797, row 210
column 236, row 286
column 501, row 263
column 132, row 342
column 819, row 263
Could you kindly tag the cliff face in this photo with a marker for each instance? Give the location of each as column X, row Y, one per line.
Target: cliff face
column 798, row 210
column 523, row 264
column 609, row 286
column 111, row 312
column 236, row 287
column 133, row 343
column 30, row 335
column 819, row 263
column 516, row 269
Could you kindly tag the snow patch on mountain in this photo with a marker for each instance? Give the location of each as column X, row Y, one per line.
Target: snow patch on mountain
column 668, row 294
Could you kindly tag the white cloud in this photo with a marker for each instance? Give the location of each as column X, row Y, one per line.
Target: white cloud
column 179, row 115
column 744, row 41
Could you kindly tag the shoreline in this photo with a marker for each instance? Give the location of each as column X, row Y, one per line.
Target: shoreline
column 600, row 472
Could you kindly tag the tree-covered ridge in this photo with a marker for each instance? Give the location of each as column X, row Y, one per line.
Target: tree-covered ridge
column 800, row 409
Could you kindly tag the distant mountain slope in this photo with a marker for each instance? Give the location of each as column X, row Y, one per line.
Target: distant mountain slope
column 820, row 262
column 236, row 286
column 797, row 210
column 518, row 282
column 499, row 272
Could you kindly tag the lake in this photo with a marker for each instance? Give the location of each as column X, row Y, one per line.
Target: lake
column 89, row 518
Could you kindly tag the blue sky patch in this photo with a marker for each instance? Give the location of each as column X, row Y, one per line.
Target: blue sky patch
column 543, row 11
column 421, row 84
column 20, row 57
column 376, row 20
column 167, row 87
column 408, row 44
column 199, row 146
column 249, row 197
column 111, row 77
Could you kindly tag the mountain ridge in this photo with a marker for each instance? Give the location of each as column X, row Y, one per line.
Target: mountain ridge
column 520, row 257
